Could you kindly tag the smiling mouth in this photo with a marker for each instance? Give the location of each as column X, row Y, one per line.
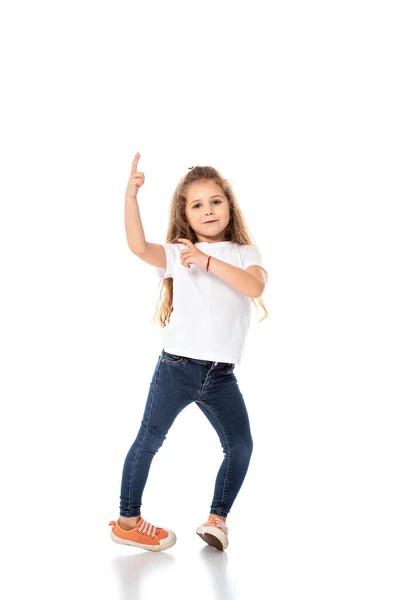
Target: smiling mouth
column 214, row 221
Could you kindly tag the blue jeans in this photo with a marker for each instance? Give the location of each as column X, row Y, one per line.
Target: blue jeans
column 177, row 382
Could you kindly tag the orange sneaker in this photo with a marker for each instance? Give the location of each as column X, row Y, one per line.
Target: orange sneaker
column 143, row 535
column 214, row 532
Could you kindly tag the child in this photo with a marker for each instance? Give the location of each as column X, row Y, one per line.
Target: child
column 209, row 271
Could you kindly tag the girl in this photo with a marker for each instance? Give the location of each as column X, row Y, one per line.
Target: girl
column 209, row 271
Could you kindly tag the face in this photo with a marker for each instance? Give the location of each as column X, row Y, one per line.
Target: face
column 206, row 202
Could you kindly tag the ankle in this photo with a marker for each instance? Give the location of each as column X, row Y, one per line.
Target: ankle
column 128, row 522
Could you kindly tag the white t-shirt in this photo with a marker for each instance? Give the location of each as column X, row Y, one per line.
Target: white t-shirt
column 210, row 319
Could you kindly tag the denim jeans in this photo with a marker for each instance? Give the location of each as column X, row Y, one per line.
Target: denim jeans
column 177, row 382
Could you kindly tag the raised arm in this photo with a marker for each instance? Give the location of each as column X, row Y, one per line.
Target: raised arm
column 153, row 254
column 133, row 223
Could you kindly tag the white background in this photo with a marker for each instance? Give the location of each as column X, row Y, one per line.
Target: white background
column 297, row 103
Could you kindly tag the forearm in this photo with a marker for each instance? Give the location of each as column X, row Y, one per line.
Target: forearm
column 238, row 278
column 133, row 225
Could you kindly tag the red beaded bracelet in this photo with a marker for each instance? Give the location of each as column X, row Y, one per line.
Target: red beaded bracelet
column 208, row 263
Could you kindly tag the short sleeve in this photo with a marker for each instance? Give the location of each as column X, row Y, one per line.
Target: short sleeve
column 252, row 256
column 172, row 254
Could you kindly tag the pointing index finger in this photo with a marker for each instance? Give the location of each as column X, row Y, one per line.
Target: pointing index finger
column 135, row 162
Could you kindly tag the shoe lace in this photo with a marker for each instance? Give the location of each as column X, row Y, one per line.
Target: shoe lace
column 145, row 528
column 222, row 525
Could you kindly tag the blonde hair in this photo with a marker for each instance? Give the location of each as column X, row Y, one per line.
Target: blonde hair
column 178, row 227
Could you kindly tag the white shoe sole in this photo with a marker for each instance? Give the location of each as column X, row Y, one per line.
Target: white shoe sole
column 213, row 536
column 164, row 544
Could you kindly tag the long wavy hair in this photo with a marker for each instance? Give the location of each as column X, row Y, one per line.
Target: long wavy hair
column 178, row 227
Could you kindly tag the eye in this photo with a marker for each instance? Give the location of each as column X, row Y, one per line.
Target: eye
column 194, row 206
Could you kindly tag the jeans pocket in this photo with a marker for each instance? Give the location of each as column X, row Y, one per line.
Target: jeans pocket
column 171, row 358
column 230, row 367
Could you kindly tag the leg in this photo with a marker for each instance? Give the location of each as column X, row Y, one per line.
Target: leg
column 166, row 399
column 223, row 405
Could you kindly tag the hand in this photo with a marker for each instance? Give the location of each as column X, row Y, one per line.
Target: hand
column 136, row 179
column 193, row 255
